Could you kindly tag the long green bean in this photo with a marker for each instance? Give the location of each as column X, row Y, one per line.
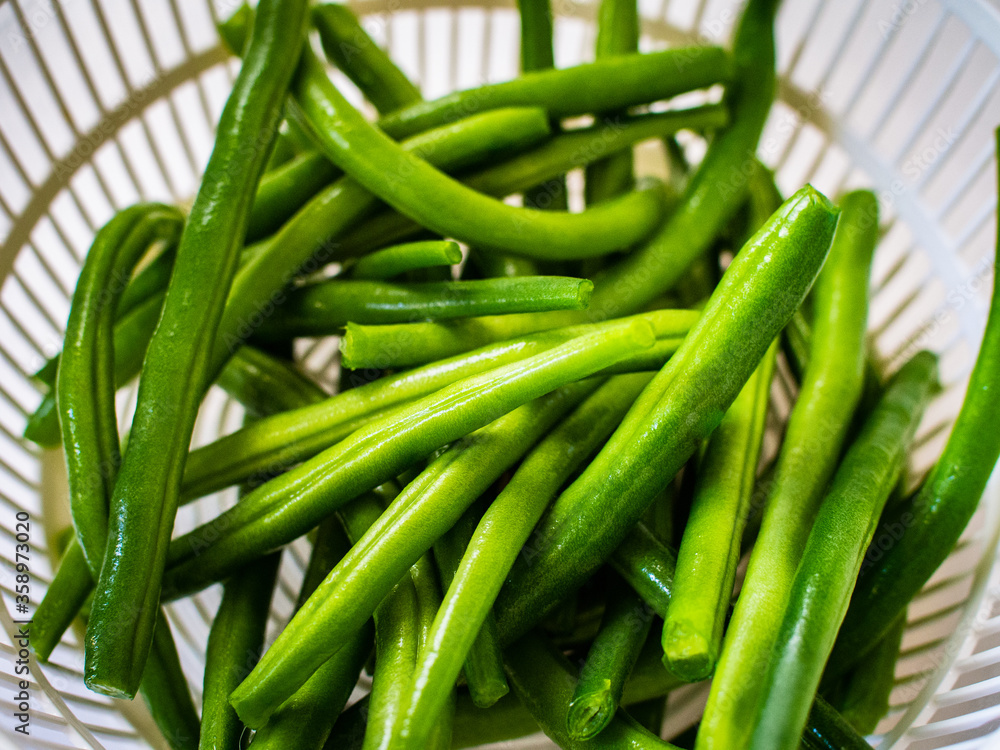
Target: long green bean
column 164, row 689
column 604, row 86
column 826, row 574
column 324, row 308
column 864, row 700
column 284, row 190
column 710, row 547
column 373, row 159
column 769, row 278
column 648, row 566
column 817, row 428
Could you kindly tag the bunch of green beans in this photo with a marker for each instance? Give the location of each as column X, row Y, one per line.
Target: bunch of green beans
column 490, row 491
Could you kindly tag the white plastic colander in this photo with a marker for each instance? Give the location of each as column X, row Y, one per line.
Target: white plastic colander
column 106, row 102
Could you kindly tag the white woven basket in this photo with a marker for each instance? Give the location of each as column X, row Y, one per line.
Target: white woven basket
column 105, row 102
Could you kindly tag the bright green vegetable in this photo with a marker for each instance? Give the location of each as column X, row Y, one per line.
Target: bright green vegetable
column 483, row 667
column 817, row 428
column 544, row 682
column 375, row 161
column 164, row 690
column 393, row 261
column 648, row 566
column 865, row 698
column 265, row 384
column 826, row 574
column 416, row 343
column 176, row 368
column 63, row 599
column 769, row 278
column 710, row 547
column 536, row 35
column 603, row 86
column 498, row 539
column 323, row 308
column 612, row 655
column 934, row 519
column 827, row 730
column 284, row 190
column 426, row 509
column 304, row 721
column 235, row 641
column 85, row 378
column 716, row 190
column 617, row 34
column 350, row 48
column 264, row 520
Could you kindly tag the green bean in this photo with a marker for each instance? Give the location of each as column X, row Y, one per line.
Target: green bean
column 398, row 259
column 562, row 153
column 832, row 556
column 484, row 662
column 498, row 540
column 282, row 440
column 85, row 378
column 164, row 690
column 761, row 288
column 827, row 730
column 648, row 566
column 715, row 191
column 604, row 86
column 284, row 190
column 430, row 197
column 411, row 344
column 176, row 372
column 310, row 237
column 63, row 599
column 264, row 520
column 710, row 547
column 349, row 47
column 321, row 309
column 610, row 660
column 865, row 697
column 544, row 682
column 817, row 428
column 304, row 721
column 934, row 519
column 235, row 642
column 266, row 385
column 428, row 507
column 536, row 35
column 617, row 34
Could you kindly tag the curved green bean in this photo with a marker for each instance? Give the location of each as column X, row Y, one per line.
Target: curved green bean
column 828, row 730
column 429, row 196
column 266, row 385
column 175, row 372
column 85, row 379
column 826, row 574
column 610, row 660
column 761, row 288
column 604, row 86
column 322, row 309
column 398, row 259
column 817, row 428
column 710, row 547
column 63, row 600
column 349, row 47
column 865, row 698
